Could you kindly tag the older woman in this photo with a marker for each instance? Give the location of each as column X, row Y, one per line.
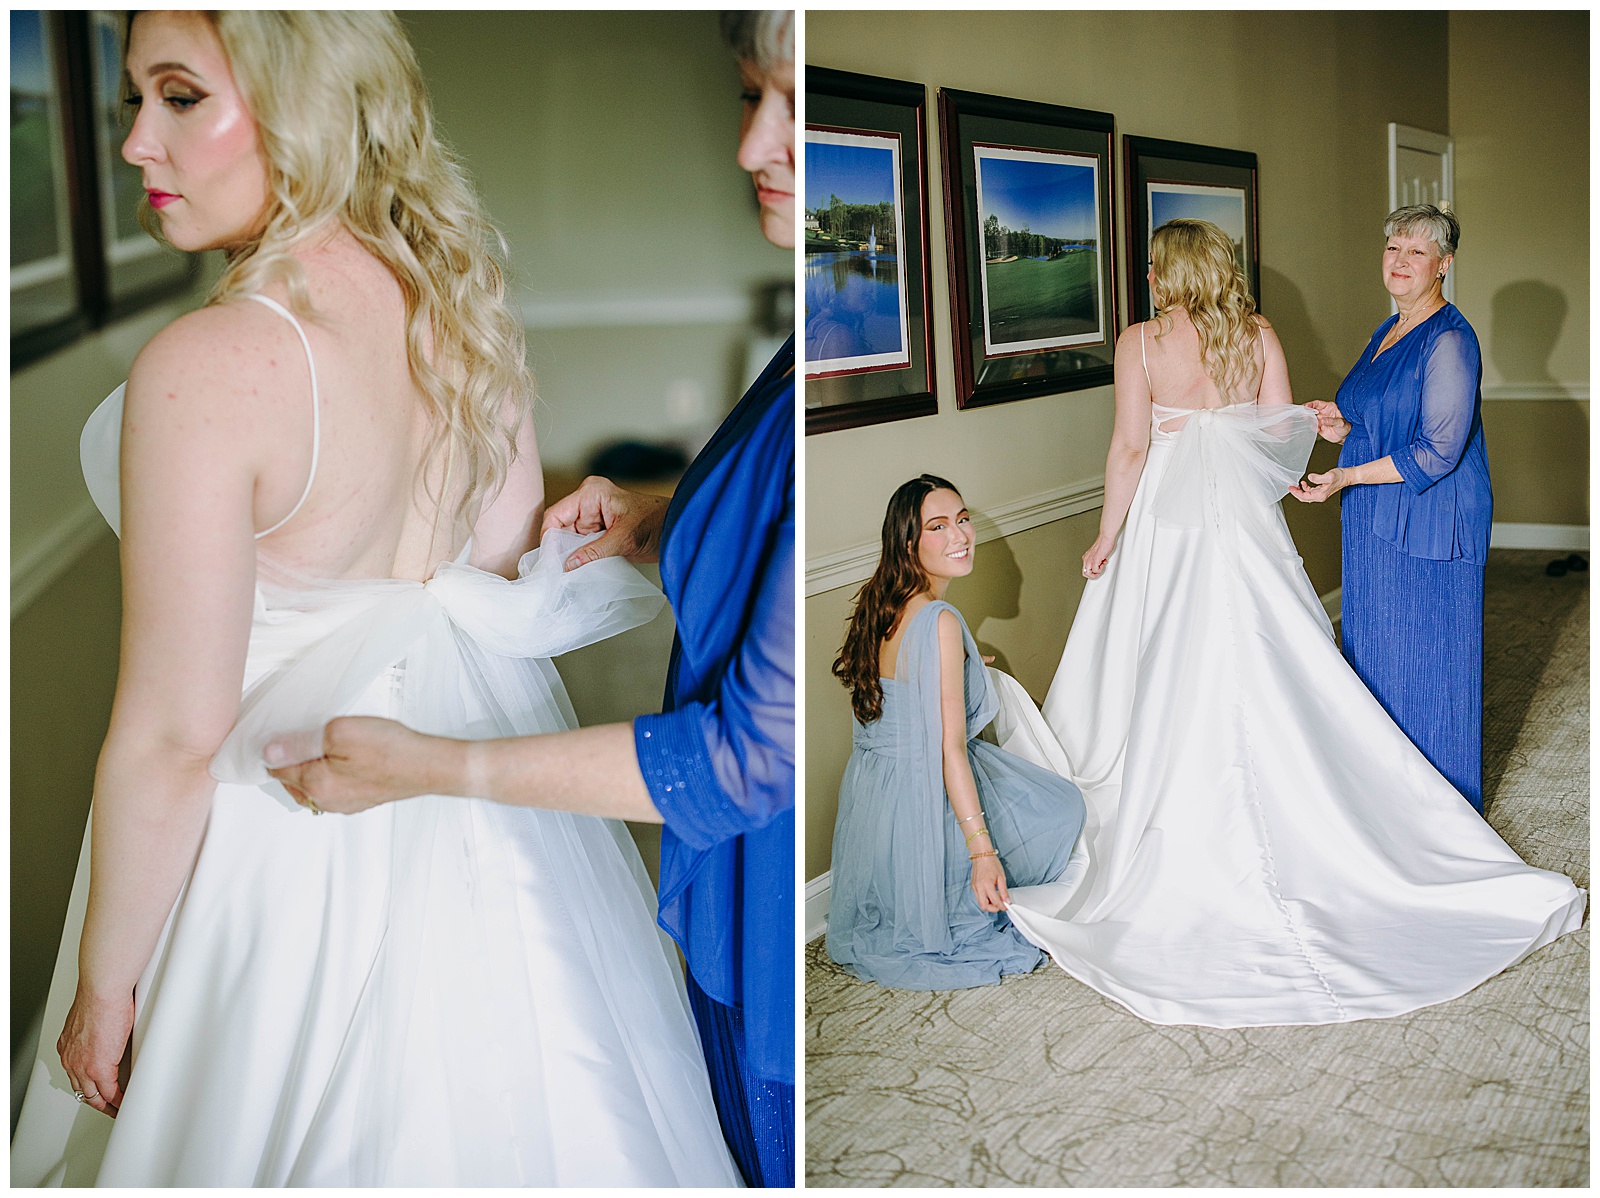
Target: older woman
column 716, row 767
column 1416, row 522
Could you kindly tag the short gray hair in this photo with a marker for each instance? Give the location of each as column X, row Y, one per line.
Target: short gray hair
column 1440, row 224
column 764, row 37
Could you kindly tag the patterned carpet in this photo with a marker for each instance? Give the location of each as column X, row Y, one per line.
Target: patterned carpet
column 1041, row 1081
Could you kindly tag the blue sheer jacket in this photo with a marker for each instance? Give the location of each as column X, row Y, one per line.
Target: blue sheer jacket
column 719, row 759
column 1419, row 404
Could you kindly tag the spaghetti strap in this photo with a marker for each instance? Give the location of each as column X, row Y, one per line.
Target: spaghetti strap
column 316, row 410
column 1144, row 358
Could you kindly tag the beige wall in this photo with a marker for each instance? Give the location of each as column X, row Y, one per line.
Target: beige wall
column 1311, row 94
column 1519, row 114
column 63, row 672
column 603, row 144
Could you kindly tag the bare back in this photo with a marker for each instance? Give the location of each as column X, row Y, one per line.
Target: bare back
column 889, row 651
column 1178, row 379
column 369, row 511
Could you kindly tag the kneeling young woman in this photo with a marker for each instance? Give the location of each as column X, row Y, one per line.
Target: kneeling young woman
column 933, row 823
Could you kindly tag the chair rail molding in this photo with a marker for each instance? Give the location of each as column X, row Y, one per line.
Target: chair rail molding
column 628, row 309
column 1537, row 391
column 1570, row 537
column 40, row 564
column 829, row 571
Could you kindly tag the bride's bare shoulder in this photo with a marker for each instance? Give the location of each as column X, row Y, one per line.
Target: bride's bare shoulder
column 1129, row 338
column 220, row 358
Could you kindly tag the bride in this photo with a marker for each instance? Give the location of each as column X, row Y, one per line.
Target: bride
column 1263, row 845
column 328, row 492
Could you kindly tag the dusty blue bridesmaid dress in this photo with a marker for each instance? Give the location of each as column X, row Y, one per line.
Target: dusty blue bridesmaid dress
column 1414, row 551
column 901, row 910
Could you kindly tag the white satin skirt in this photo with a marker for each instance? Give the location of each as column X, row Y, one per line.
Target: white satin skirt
column 435, row 992
column 1263, row 845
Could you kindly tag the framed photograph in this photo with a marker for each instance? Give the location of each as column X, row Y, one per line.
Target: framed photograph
column 867, row 353
column 1028, row 220
column 856, row 311
column 1171, row 179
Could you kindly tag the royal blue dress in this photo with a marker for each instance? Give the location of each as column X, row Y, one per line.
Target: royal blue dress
column 901, row 910
column 719, row 763
column 1414, row 551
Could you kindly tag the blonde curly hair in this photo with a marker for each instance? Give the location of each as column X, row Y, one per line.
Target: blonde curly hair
column 347, row 131
column 1197, row 270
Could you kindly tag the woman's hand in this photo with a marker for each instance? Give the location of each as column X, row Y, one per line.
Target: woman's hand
column 1094, row 560
column 630, row 520
column 1331, row 424
column 357, row 762
column 1319, row 487
column 989, row 884
column 91, row 1047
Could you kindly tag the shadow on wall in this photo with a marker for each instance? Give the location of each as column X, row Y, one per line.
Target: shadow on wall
column 993, row 591
column 1313, row 374
column 1527, row 319
column 1538, row 451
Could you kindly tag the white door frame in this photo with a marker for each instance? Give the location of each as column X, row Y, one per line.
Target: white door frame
column 1429, row 143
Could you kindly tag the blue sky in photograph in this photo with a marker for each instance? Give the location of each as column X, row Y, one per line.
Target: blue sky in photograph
column 27, row 53
column 1052, row 198
column 1224, row 211
column 856, row 174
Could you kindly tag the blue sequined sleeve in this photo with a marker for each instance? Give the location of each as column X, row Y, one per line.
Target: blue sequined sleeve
column 721, row 768
column 1449, row 394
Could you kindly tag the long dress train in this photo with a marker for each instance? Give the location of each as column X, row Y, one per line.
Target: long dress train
column 1264, row 846
column 439, row 991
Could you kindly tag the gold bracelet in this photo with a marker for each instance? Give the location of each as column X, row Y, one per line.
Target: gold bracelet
column 985, row 853
column 975, row 835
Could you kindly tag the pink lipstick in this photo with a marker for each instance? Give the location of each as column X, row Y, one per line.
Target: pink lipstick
column 160, row 199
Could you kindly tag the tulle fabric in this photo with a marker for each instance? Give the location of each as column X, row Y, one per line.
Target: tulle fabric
column 1263, row 846
column 440, row 991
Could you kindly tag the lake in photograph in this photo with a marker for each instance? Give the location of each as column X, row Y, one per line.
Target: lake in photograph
column 852, row 307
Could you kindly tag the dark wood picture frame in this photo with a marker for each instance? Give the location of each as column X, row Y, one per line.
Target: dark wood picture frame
column 846, row 101
column 98, row 300
column 967, row 119
column 1147, row 160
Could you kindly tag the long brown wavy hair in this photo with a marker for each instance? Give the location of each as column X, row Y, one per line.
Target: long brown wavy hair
column 881, row 601
column 1196, row 270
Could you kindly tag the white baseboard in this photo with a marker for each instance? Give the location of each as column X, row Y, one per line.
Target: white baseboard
column 47, row 559
column 22, row 1064
column 817, row 892
column 1539, row 536
column 1333, row 603
column 829, row 571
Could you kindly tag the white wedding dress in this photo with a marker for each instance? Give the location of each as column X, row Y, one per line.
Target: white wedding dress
column 439, row 991
column 1263, row 845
